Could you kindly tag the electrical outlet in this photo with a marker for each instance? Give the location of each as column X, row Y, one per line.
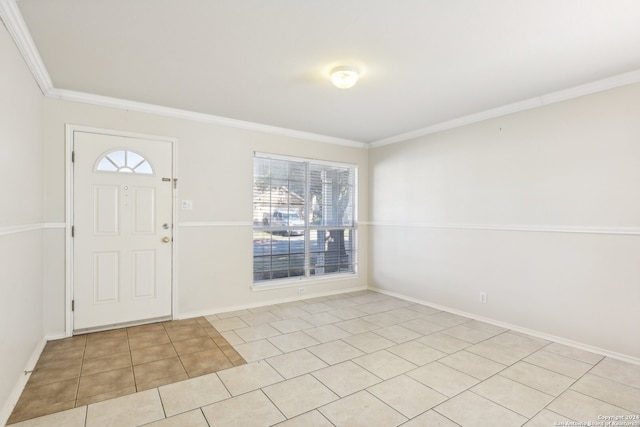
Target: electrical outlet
column 301, row 290
column 483, row 297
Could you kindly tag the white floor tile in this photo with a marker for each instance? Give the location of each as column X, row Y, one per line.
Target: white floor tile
column 310, row 419
column 443, row 379
column 406, row 395
column 398, row 334
column 299, row 395
column 582, row 408
column 519, row 398
column 368, row 342
column 346, row 378
column 193, row 418
column 326, row 333
column 257, row 350
column 472, row 364
column 335, row 352
column 296, row 363
column 470, row 410
column 558, row 363
column 192, row 393
column 361, row 410
column 609, row 391
column 416, row 352
column 252, row 376
column 70, row 418
column 130, row 410
column 384, row 364
column 619, row 371
column 539, row 378
column 293, row 341
column 444, row 342
column 249, row 410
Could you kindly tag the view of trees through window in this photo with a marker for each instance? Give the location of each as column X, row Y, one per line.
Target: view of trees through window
column 304, row 218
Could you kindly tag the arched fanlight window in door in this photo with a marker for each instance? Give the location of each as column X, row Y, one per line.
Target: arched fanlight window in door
column 124, row 161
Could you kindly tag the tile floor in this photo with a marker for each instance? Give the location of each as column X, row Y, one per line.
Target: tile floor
column 367, row 359
column 86, row 369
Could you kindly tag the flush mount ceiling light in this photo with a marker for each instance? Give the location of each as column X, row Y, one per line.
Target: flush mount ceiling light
column 344, row 77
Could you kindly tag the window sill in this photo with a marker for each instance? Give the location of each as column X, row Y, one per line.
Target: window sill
column 299, row 281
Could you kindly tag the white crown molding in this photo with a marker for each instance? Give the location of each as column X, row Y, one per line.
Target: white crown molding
column 625, row 231
column 10, row 14
column 12, row 18
column 550, row 98
column 141, row 107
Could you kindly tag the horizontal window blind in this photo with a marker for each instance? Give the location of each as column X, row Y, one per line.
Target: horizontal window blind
column 304, row 218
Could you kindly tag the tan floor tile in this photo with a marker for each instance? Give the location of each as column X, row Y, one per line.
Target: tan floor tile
column 194, row 345
column 164, row 368
column 186, row 332
column 67, row 418
column 66, row 343
column 159, row 382
column 361, row 410
column 106, row 363
column 470, row 410
column 205, row 362
column 46, row 399
column 407, row 396
column 299, row 395
column 175, row 324
column 39, row 411
column 249, row 410
column 105, row 396
column 57, row 357
column 105, row 347
column 54, row 373
column 106, row 335
column 148, row 339
column 130, row 410
column 153, row 353
column 105, row 382
column 134, row 331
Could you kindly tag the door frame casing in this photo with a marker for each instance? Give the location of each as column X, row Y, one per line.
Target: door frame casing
column 70, row 130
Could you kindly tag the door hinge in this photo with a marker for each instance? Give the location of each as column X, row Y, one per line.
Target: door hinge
column 73, row 157
column 73, row 305
column 73, row 231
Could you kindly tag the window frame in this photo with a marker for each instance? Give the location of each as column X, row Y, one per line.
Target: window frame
column 308, row 229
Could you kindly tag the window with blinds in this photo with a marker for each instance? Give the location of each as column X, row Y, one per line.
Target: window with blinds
column 304, row 218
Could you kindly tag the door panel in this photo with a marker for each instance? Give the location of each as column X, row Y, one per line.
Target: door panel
column 121, row 253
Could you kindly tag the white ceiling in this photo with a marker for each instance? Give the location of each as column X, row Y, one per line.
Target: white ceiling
column 423, row 62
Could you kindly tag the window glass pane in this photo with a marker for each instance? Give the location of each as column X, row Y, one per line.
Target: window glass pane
column 295, row 199
column 125, row 162
column 117, row 157
column 134, row 159
column 144, row 168
column 106, row 166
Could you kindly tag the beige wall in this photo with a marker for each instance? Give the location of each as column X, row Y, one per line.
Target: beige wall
column 21, row 260
column 539, row 209
column 215, row 170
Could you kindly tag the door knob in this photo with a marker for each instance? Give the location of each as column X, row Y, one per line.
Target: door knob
column 166, row 239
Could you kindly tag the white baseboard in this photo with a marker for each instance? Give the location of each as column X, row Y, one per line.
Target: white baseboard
column 191, row 314
column 12, row 400
column 532, row 332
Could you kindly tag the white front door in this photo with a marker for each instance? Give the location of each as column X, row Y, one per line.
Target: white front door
column 122, row 219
